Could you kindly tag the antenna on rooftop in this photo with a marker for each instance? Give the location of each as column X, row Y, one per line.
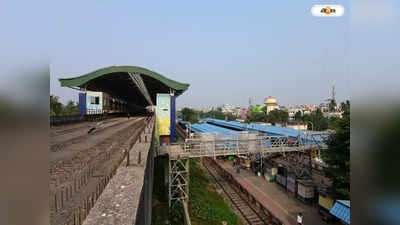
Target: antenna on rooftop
column 333, row 94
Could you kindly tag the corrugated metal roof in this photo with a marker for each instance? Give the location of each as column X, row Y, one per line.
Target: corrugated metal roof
column 81, row 80
column 269, row 130
column 341, row 210
column 116, row 81
column 208, row 128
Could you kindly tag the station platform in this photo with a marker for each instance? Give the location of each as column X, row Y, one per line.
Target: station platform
column 119, row 202
column 280, row 203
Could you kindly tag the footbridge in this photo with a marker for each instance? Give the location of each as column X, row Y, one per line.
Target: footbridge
column 214, row 139
column 208, row 140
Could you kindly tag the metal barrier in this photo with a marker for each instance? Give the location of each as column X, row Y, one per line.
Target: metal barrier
column 58, row 120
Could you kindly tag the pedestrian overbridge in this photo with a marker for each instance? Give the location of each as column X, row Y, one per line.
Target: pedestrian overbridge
column 216, row 144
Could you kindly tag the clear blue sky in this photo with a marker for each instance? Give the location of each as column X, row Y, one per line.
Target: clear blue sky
column 228, row 51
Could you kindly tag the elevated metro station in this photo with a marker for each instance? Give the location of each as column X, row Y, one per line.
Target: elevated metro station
column 136, row 87
column 119, row 151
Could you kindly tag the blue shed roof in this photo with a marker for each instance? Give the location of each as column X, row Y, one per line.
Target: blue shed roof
column 269, row 130
column 208, row 128
column 341, row 209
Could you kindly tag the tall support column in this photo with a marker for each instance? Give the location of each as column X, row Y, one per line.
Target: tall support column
column 178, row 186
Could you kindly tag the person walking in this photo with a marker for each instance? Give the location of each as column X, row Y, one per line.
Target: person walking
column 300, row 218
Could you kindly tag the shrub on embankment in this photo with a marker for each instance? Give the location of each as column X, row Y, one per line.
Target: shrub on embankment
column 206, row 206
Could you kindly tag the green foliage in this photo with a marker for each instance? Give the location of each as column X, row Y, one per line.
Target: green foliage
column 332, row 105
column 345, row 106
column 298, row 117
column 212, row 114
column 338, row 157
column 333, row 122
column 55, row 106
column 274, row 116
column 277, row 115
column 218, row 114
column 189, row 115
column 257, row 108
column 58, row 109
column 205, row 205
column 255, row 117
column 319, row 122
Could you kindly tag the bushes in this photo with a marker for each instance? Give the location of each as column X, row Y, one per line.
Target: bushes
column 205, row 205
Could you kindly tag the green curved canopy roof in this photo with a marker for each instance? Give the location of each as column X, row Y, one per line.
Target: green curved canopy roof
column 115, row 81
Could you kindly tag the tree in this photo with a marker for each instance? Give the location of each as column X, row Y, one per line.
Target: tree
column 345, row 106
column 277, row 115
column 71, row 109
column 333, row 122
column 332, row 105
column 189, row 115
column 255, row 117
column 319, row 122
column 56, row 107
column 337, row 156
column 298, row 116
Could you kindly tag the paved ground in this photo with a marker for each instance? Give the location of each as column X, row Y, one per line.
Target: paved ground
column 277, row 197
column 119, row 201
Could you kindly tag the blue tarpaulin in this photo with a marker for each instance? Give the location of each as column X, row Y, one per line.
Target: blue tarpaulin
column 341, row 209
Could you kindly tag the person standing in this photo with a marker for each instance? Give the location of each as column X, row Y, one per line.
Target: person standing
column 300, row 218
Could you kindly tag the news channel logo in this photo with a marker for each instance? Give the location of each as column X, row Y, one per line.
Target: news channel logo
column 327, row 10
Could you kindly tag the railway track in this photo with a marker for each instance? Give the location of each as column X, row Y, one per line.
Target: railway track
column 251, row 215
column 77, row 183
column 79, row 126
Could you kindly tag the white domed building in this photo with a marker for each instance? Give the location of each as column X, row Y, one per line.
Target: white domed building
column 270, row 104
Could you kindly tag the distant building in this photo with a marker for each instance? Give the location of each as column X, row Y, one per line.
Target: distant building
column 270, row 103
column 294, row 125
column 303, row 109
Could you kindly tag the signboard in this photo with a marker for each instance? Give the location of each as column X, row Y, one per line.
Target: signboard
column 163, row 113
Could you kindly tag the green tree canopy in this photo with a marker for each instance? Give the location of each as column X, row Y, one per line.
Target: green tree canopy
column 298, row 117
column 218, row 114
column 255, row 117
column 317, row 119
column 332, row 105
column 55, row 106
column 189, row 115
column 337, row 156
column 277, row 115
column 58, row 109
